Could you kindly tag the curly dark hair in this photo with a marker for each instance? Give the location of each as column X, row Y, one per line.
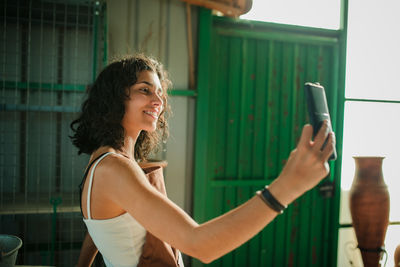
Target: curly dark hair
column 99, row 123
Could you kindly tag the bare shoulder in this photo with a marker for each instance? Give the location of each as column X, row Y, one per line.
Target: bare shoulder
column 115, row 162
column 123, row 183
column 116, row 170
column 116, row 180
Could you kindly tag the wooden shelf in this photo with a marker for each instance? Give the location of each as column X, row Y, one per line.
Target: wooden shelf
column 36, row 204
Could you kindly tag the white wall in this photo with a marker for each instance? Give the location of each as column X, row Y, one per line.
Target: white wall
column 159, row 28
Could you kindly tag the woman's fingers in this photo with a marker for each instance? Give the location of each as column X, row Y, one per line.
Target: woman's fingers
column 307, row 164
column 328, row 149
column 306, row 136
column 323, row 144
column 321, row 136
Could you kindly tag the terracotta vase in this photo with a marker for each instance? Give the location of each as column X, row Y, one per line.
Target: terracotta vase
column 397, row 257
column 369, row 207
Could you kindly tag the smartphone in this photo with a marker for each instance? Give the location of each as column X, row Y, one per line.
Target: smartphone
column 318, row 109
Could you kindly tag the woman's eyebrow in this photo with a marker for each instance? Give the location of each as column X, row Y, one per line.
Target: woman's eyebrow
column 146, row 82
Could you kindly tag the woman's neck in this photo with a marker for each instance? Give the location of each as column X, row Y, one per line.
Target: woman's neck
column 129, row 147
column 127, row 150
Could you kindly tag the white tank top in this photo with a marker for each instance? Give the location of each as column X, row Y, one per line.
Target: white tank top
column 120, row 239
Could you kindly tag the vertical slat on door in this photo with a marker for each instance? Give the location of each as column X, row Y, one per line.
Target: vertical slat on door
column 258, row 165
column 298, row 106
column 244, row 138
column 233, row 123
column 287, row 99
column 270, row 149
column 222, row 116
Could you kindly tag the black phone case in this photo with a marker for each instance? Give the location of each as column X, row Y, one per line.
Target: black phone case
column 318, row 109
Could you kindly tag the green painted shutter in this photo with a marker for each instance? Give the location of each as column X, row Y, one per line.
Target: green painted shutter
column 250, row 113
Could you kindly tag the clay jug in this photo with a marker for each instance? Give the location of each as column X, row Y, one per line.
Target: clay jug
column 369, row 207
column 397, row 256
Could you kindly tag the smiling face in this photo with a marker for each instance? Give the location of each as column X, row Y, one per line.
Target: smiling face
column 144, row 105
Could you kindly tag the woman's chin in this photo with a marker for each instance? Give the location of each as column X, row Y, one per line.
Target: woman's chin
column 151, row 129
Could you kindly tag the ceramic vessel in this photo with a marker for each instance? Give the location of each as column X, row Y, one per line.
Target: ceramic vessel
column 369, row 207
column 397, row 257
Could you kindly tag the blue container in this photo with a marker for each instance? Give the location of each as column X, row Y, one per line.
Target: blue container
column 9, row 246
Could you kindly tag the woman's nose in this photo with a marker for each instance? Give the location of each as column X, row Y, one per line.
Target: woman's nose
column 157, row 100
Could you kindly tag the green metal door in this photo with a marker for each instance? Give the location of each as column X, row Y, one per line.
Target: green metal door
column 250, row 113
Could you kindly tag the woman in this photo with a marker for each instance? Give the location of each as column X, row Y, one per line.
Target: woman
column 124, row 117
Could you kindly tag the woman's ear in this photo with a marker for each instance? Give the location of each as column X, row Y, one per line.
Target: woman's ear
column 128, row 92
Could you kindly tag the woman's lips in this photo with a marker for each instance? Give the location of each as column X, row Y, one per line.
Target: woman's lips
column 153, row 114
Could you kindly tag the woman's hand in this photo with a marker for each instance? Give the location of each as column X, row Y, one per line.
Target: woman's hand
column 307, row 165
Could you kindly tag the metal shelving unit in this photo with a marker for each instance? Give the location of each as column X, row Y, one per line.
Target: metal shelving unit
column 50, row 51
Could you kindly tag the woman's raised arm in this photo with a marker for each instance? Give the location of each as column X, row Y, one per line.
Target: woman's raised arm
column 306, row 166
